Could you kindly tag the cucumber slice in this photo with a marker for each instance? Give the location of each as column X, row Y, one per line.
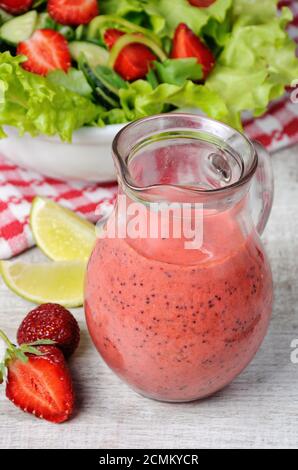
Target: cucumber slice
column 44, row 21
column 4, row 16
column 95, row 55
column 103, row 91
column 105, row 99
column 19, row 29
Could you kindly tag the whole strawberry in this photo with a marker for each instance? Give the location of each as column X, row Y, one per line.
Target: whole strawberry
column 38, row 380
column 53, row 322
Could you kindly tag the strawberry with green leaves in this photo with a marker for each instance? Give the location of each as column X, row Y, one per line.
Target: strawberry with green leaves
column 38, row 380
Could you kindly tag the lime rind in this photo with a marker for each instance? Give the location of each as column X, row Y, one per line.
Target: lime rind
column 60, row 282
column 61, row 234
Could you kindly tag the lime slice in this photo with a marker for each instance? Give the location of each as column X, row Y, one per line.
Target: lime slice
column 60, row 233
column 60, row 282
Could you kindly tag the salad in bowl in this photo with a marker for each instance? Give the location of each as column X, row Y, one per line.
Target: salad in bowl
column 72, row 72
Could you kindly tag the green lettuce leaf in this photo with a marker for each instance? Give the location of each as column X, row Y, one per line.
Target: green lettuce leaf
column 164, row 15
column 255, row 61
column 216, row 33
column 152, row 78
column 114, row 116
column 142, row 12
column 258, row 59
column 254, row 11
column 177, row 11
column 177, row 71
column 121, row 7
column 33, row 104
column 140, row 99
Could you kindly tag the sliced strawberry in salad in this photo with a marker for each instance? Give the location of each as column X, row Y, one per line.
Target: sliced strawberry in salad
column 201, row 3
column 15, row 6
column 187, row 44
column 46, row 50
column 111, row 36
column 73, row 12
column 134, row 60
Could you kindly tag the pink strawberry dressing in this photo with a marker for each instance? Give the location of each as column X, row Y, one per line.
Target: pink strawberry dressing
column 179, row 332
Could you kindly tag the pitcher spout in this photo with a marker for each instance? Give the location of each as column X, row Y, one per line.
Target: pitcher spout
column 183, row 157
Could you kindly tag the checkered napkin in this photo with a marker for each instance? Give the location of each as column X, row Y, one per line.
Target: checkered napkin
column 18, row 187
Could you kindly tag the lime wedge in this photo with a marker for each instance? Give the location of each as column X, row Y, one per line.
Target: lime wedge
column 60, row 282
column 60, row 233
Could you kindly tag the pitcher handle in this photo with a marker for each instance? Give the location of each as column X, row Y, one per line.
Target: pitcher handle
column 262, row 189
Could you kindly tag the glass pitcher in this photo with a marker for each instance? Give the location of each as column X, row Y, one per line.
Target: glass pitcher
column 178, row 291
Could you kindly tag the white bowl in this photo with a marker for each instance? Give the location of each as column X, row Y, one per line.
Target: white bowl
column 87, row 158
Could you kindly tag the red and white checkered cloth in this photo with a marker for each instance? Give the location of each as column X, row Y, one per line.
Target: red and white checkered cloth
column 18, row 187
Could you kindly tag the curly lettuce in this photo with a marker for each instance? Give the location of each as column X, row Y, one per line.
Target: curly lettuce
column 34, row 104
column 178, row 11
column 164, row 15
column 255, row 61
column 140, row 99
column 255, row 57
column 258, row 60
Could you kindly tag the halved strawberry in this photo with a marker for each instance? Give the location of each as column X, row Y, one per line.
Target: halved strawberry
column 38, row 380
column 46, row 50
column 134, row 60
column 15, row 6
column 42, row 386
column 73, row 12
column 201, row 3
column 187, row 44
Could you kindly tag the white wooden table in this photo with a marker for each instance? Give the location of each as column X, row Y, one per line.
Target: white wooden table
column 259, row 409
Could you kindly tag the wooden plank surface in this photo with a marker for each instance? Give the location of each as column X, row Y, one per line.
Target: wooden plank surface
column 259, row 409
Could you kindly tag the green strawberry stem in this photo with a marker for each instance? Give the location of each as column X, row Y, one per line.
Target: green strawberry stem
column 6, row 340
column 10, row 351
column 13, row 352
column 21, row 352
